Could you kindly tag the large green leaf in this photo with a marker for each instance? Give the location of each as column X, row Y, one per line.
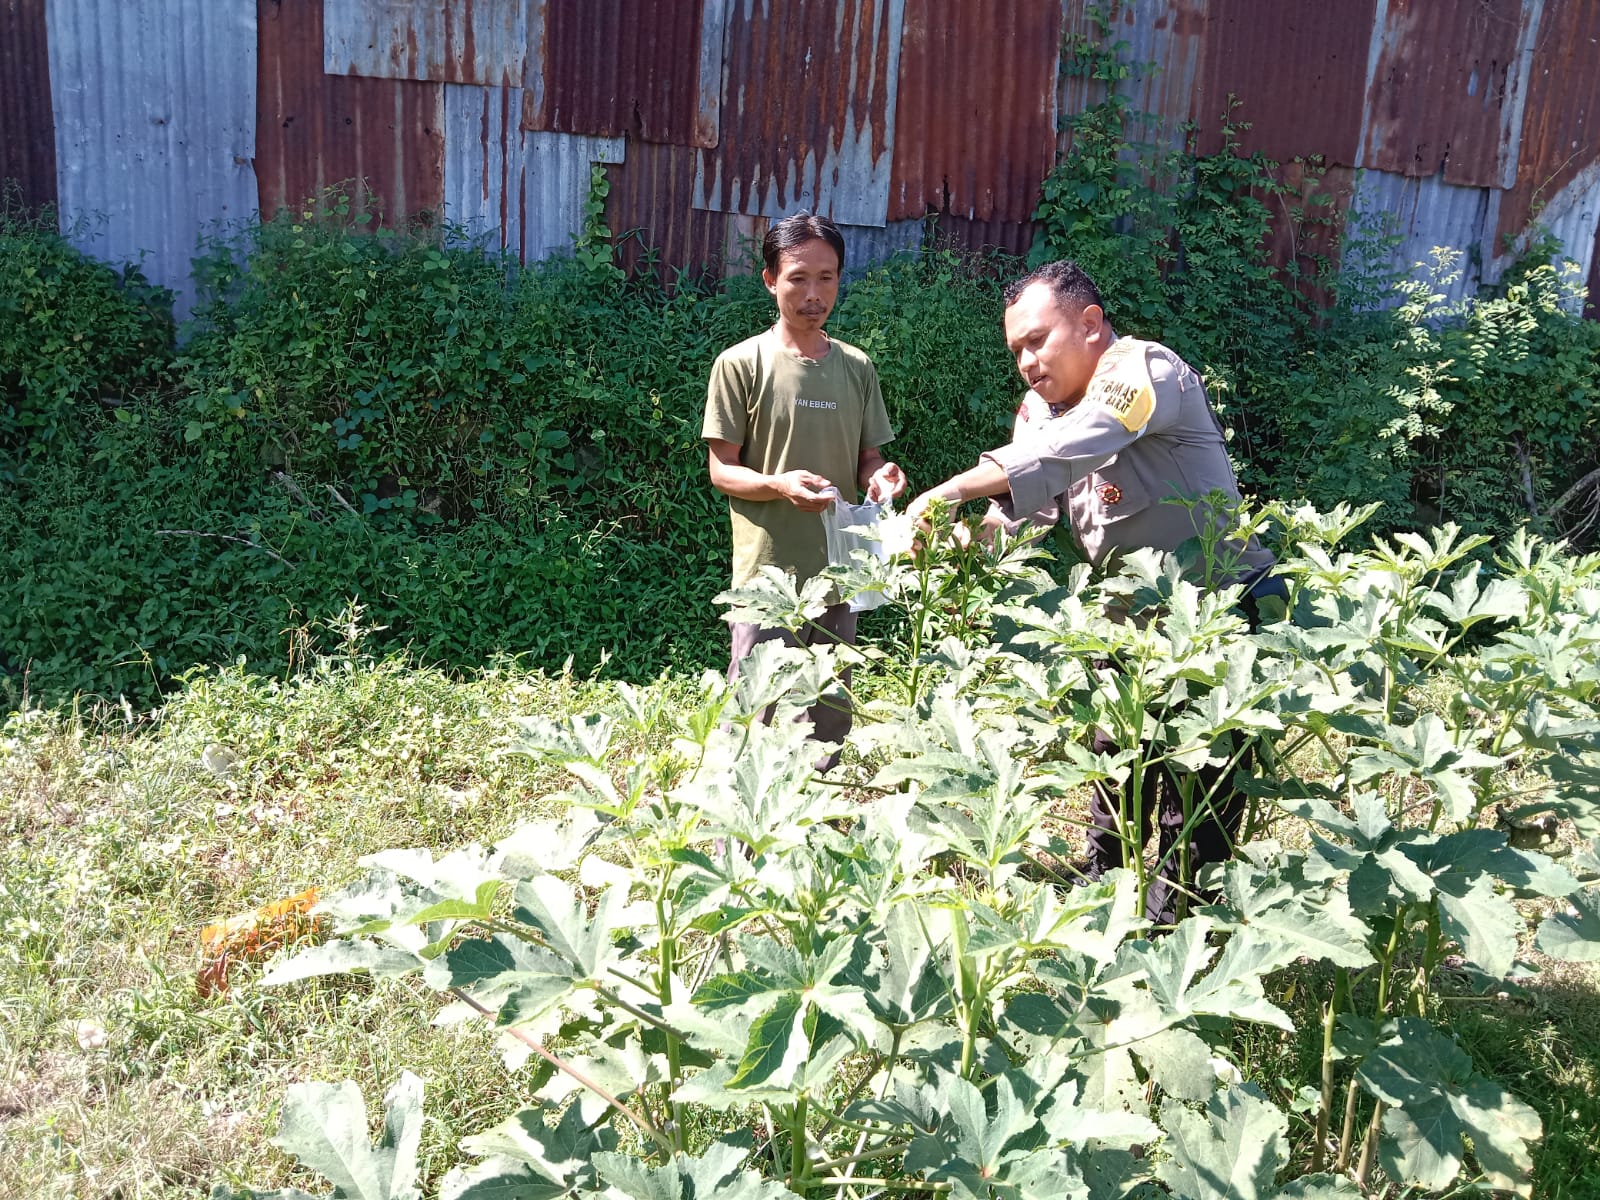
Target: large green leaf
column 1484, row 923
column 1573, row 935
column 778, row 1045
column 561, row 1154
column 547, row 903
column 1426, row 751
column 1435, row 1100
column 1232, row 988
column 718, row 1174
column 498, row 1178
column 1231, row 1151
column 324, row 1126
column 340, row 958
column 1291, row 916
column 982, row 1143
column 907, row 987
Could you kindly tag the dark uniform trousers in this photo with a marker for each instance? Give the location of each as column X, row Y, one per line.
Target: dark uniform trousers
column 1216, row 808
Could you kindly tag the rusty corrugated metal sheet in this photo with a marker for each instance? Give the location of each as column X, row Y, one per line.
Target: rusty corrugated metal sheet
column 648, row 69
column 154, row 106
column 463, row 41
column 1560, row 134
column 983, row 237
column 27, row 123
column 1299, row 71
column 1447, row 88
column 650, row 210
column 1164, row 44
column 809, row 110
column 314, row 130
column 1424, row 213
column 975, row 113
column 483, row 164
column 516, row 190
column 1570, row 217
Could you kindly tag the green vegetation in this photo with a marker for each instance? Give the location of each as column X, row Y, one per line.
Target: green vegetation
column 491, row 462
column 388, row 495
column 499, row 461
column 777, row 974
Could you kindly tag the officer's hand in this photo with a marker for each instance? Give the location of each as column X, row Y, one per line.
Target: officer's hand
column 887, row 482
column 806, row 490
column 917, row 510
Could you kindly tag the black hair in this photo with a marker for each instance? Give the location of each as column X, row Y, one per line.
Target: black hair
column 797, row 228
column 1067, row 281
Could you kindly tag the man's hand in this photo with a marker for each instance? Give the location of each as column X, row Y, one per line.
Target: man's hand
column 917, row 510
column 806, row 490
column 887, row 482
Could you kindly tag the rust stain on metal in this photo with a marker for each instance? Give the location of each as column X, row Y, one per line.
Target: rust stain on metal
column 315, row 131
column 649, row 210
column 1444, row 76
column 975, row 114
column 1299, row 72
column 1560, row 132
column 807, row 110
column 466, row 41
column 27, row 122
column 635, row 68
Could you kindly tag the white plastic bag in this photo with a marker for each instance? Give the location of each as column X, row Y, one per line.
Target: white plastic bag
column 871, row 527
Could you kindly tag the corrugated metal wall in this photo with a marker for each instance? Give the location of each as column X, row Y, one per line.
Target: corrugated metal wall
column 1467, row 123
column 316, row 131
column 154, row 127
column 27, row 120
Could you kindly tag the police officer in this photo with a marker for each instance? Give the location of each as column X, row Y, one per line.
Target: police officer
column 1112, row 434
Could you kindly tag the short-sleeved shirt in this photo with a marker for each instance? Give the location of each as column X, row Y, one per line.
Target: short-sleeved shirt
column 786, row 412
column 1143, row 437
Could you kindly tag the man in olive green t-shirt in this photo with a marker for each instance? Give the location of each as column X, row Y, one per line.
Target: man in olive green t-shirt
column 790, row 414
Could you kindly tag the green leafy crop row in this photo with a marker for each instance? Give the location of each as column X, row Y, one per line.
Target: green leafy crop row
column 717, row 972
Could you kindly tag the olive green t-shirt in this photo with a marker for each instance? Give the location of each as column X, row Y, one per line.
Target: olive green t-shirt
column 789, row 413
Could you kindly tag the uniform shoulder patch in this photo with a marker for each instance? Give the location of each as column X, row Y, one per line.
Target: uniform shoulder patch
column 1122, row 384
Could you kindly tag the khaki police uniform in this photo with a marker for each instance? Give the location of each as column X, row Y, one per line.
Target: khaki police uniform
column 1143, row 435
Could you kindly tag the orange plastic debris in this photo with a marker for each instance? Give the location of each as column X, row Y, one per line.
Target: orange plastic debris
column 252, row 937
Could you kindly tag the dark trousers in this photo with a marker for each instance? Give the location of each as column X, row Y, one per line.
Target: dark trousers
column 1217, row 807
column 830, row 719
column 1211, row 836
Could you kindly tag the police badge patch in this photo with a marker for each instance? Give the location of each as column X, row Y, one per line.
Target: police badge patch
column 1122, row 384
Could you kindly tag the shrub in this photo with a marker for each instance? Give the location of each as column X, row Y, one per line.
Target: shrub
column 77, row 338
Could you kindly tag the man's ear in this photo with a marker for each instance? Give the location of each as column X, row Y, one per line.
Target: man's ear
column 1094, row 321
column 768, row 279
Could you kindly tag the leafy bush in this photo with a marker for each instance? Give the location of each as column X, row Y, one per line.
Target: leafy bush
column 77, row 338
column 716, row 972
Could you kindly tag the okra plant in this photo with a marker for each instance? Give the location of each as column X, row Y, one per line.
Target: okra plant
column 726, row 974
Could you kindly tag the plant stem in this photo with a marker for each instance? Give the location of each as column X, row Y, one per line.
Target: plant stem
column 559, row 1064
column 1330, row 1015
column 668, row 964
column 863, row 1156
column 1369, row 1147
column 799, row 1169
column 1347, row 1131
column 896, row 1185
